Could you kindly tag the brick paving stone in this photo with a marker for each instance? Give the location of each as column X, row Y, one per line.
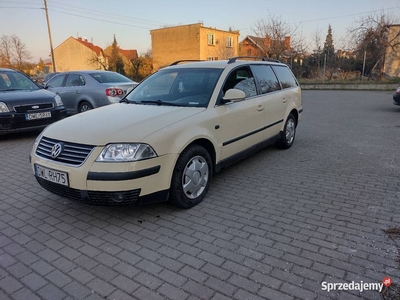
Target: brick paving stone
column 34, row 281
column 22, row 294
column 273, row 226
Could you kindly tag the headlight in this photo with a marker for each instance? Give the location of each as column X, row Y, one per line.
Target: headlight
column 58, row 100
column 126, row 152
column 3, row 107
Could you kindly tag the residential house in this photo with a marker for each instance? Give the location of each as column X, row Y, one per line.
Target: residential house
column 78, row 54
column 391, row 66
column 266, row 47
column 128, row 57
column 192, row 42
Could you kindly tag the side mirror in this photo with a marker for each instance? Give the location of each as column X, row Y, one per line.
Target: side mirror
column 234, row 95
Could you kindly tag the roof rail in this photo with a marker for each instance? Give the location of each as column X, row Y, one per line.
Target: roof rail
column 184, row 60
column 233, row 59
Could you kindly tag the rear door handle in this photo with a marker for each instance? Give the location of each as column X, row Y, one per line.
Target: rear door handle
column 284, row 100
column 260, row 108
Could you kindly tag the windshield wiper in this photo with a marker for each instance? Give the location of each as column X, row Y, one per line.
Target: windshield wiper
column 159, row 102
column 124, row 100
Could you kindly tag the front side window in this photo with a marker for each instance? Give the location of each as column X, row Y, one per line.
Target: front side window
column 241, row 79
column 56, row 81
column 266, row 78
column 177, row 87
column 285, row 76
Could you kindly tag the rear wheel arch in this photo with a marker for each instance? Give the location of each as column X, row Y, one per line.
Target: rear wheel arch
column 82, row 103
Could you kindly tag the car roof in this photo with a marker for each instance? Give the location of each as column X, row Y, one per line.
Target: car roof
column 222, row 64
column 8, row 70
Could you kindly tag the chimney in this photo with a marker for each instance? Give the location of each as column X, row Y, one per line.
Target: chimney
column 287, row 42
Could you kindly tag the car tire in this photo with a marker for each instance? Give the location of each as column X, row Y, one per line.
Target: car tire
column 288, row 134
column 84, row 106
column 191, row 178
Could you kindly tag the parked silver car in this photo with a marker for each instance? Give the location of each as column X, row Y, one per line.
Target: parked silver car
column 84, row 90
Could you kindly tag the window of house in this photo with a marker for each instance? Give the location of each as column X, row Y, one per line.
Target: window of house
column 212, row 57
column 229, row 42
column 211, row 39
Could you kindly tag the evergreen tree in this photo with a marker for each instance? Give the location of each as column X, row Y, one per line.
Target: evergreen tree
column 329, row 49
column 328, row 54
column 115, row 62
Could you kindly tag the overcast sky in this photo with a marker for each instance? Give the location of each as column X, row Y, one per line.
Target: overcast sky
column 131, row 20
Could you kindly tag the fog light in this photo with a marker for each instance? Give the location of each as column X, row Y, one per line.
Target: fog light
column 118, row 197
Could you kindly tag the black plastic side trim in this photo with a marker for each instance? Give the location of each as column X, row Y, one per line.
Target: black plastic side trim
column 243, row 154
column 250, row 133
column 106, row 176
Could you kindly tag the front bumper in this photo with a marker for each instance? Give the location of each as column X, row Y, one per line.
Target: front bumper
column 101, row 183
column 16, row 122
column 396, row 99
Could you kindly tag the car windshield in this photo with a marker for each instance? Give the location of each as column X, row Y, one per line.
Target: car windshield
column 109, row 77
column 14, row 81
column 178, row 87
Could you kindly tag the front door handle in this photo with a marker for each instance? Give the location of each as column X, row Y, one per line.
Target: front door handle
column 284, row 100
column 260, row 108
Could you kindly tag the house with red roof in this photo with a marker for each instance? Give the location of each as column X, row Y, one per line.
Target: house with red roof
column 128, row 57
column 79, row 54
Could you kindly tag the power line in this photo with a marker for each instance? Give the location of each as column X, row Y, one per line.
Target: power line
column 343, row 16
column 102, row 20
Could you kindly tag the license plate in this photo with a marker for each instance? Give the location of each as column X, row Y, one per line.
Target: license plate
column 38, row 115
column 52, row 175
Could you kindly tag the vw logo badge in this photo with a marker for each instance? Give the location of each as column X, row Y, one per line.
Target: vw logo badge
column 35, row 107
column 56, row 150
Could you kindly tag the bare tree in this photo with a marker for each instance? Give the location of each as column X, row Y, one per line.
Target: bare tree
column 20, row 54
column 275, row 30
column 100, row 61
column 5, row 52
column 13, row 52
column 142, row 66
column 371, row 38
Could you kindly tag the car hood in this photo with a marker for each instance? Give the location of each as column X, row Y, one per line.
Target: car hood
column 24, row 97
column 117, row 123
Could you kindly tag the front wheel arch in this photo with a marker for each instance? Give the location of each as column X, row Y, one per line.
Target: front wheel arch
column 191, row 176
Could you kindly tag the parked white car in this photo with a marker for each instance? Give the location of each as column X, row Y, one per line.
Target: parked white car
column 167, row 138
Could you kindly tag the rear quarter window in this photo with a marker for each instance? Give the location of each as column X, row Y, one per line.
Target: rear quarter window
column 266, row 78
column 285, row 76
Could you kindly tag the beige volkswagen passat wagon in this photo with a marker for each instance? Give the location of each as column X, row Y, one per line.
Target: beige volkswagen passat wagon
column 167, row 138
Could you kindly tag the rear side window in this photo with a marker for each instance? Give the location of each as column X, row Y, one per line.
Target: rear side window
column 266, row 78
column 74, row 80
column 285, row 76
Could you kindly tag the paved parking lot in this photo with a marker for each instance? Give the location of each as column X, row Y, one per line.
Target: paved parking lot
column 274, row 226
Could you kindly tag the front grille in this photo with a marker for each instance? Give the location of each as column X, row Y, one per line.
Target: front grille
column 114, row 198
column 60, row 190
column 91, row 197
column 29, row 108
column 71, row 153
